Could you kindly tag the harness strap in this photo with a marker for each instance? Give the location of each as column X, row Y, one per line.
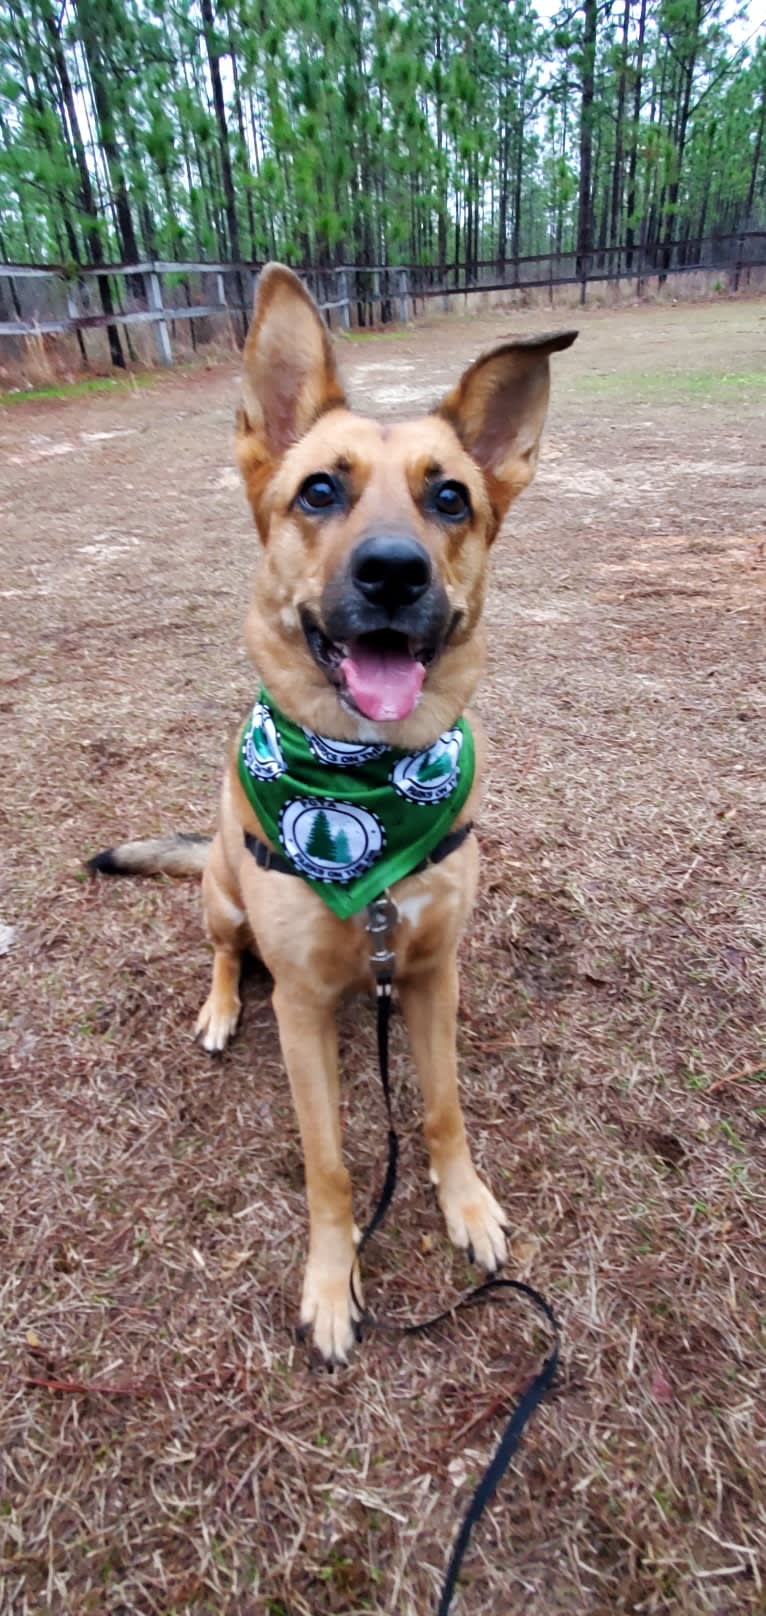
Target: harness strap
column 268, row 859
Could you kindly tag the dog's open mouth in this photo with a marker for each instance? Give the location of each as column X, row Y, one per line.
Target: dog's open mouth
column 379, row 674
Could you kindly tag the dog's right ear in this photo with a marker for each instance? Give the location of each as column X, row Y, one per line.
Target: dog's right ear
column 289, row 376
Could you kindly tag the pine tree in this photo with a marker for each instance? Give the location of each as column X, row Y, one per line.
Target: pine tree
column 342, row 852
column 435, row 768
column 320, row 844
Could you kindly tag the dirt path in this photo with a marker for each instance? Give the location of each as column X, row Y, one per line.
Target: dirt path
column 613, row 1030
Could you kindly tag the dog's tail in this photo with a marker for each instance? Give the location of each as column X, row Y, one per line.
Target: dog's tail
column 159, row 855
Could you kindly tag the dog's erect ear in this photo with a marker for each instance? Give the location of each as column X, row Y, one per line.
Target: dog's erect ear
column 289, row 376
column 498, row 409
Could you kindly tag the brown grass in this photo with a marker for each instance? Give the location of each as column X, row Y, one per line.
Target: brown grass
column 167, row 1447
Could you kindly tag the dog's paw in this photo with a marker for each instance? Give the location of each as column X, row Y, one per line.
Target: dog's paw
column 217, row 1022
column 474, row 1220
column 328, row 1309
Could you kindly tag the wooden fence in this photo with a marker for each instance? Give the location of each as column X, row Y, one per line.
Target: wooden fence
column 49, row 299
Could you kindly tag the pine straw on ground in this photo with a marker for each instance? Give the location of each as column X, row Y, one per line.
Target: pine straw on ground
column 167, row 1447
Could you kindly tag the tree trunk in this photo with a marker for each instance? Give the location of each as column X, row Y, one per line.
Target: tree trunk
column 682, row 127
column 630, row 233
column 242, row 140
column 503, row 160
column 652, row 203
column 585, row 193
column 214, row 55
column 4, row 254
column 708, row 174
column 518, row 183
column 99, row 78
column 214, row 60
column 92, row 227
column 619, row 145
column 747, row 221
column 441, row 179
column 504, row 151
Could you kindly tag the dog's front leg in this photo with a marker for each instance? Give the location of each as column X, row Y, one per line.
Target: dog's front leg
column 309, row 1042
column 474, row 1220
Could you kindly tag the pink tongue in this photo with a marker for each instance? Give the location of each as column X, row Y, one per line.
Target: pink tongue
column 384, row 684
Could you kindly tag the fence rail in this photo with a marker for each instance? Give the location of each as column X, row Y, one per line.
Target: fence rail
column 149, row 293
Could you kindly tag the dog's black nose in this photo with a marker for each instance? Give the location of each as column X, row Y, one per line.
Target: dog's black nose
column 391, row 571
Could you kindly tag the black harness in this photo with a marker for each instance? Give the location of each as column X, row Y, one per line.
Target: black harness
column 266, row 858
column 382, row 917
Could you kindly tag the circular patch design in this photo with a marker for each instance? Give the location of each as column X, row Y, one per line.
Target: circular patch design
column 260, row 748
column 330, row 841
column 342, row 754
column 432, row 775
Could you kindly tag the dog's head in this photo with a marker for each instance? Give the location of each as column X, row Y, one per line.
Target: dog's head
column 376, row 537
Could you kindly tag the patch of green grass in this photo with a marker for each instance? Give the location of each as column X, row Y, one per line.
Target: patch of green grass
column 674, row 385
column 377, row 336
column 663, row 1501
column 89, row 384
column 730, row 1134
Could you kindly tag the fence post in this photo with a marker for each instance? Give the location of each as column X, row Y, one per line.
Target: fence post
column 739, row 263
column 161, row 333
column 341, row 283
column 220, row 289
column 73, row 311
column 404, row 300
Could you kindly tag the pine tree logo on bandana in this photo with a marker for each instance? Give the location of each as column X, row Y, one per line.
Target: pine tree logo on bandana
column 430, row 776
column 342, row 754
column 330, row 841
column 261, row 748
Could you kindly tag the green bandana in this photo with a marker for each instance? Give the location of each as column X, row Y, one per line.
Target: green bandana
column 351, row 818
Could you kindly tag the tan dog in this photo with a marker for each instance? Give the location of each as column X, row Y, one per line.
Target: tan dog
column 365, row 627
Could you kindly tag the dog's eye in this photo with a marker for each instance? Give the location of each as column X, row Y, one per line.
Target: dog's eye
column 319, row 493
column 451, row 500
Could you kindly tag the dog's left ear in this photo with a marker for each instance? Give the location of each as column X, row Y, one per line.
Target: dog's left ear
column 498, row 409
column 289, row 374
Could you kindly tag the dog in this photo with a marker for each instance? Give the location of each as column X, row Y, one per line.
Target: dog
column 365, row 628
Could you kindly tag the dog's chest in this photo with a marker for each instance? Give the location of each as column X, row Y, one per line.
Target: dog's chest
column 300, row 938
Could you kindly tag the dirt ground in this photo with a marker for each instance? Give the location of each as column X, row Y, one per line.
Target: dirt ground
column 168, row 1448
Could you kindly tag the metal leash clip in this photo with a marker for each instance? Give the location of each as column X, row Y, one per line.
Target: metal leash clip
column 382, row 916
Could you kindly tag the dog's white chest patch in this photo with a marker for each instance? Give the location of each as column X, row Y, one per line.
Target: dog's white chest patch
column 231, row 910
column 411, row 909
column 370, row 733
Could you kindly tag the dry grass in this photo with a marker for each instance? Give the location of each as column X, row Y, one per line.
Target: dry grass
column 166, row 1446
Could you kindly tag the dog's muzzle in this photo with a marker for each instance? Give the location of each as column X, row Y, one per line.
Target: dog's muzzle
column 384, row 618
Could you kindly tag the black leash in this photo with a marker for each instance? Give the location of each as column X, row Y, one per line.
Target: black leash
column 382, row 916
column 381, row 920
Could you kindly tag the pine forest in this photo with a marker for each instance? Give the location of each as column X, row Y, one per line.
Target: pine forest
column 422, row 132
